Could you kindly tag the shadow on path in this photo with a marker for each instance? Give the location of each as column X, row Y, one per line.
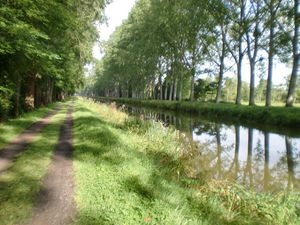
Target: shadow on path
column 19, row 144
column 55, row 203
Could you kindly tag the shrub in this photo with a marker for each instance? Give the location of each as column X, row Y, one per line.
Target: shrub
column 5, row 103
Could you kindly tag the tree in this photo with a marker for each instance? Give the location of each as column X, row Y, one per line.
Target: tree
column 164, row 45
column 221, row 17
column 296, row 55
column 43, row 50
column 253, row 34
column 273, row 7
column 237, row 32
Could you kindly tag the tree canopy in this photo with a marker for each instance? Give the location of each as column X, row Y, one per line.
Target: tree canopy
column 44, row 46
column 164, row 47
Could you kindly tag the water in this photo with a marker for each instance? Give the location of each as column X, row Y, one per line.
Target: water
column 259, row 159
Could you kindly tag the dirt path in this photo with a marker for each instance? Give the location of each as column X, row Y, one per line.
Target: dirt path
column 55, row 203
column 18, row 145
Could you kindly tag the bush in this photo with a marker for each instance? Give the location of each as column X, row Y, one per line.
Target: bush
column 5, row 103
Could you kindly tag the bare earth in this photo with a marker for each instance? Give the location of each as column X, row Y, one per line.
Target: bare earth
column 18, row 145
column 55, row 203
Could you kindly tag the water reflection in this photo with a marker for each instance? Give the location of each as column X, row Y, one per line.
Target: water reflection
column 257, row 159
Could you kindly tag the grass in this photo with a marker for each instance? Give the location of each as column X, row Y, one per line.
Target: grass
column 256, row 115
column 280, row 104
column 20, row 184
column 13, row 127
column 129, row 171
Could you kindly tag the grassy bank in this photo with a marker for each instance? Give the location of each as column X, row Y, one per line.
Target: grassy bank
column 13, row 127
column 132, row 172
column 274, row 116
column 20, row 184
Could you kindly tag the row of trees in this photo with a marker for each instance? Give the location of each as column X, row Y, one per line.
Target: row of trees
column 206, row 90
column 165, row 45
column 44, row 46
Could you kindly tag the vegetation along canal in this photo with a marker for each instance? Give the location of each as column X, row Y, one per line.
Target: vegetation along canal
column 264, row 159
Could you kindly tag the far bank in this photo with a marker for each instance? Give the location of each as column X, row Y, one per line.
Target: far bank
column 259, row 115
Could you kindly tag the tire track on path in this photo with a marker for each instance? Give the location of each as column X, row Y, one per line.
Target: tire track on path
column 55, row 203
column 19, row 144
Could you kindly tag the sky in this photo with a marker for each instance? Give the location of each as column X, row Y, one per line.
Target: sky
column 115, row 12
column 118, row 11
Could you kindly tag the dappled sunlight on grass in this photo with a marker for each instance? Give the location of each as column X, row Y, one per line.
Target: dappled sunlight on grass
column 20, row 184
column 13, row 127
column 134, row 172
column 121, row 182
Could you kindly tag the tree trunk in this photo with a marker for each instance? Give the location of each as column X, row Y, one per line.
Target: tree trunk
column 296, row 56
column 241, row 56
column 253, row 50
column 38, row 94
column 171, row 91
column 166, row 91
column 271, row 56
column 154, row 91
column 239, row 82
column 29, row 93
column 129, row 91
column 221, row 71
column 175, row 89
column 16, row 108
column 219, row 90
column 180, row 86
column 192, row 85
column 53, row 93
column 120, row 91
column 193, row 71
column 160, row 87
column 252, row 83
column 49, row 89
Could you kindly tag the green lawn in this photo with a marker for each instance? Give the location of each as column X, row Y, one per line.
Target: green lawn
column 131, row 172
column 20, row 184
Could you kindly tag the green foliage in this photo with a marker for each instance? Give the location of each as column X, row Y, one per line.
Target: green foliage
column 5, row 104
column 156, row 42
column 44, row 45
column 205, row 89
column 163, row 44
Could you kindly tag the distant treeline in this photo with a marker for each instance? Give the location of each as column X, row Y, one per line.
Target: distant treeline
column 44, row 46
column 164, row 47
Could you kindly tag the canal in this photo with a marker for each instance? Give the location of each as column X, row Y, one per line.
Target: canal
column 265, row 159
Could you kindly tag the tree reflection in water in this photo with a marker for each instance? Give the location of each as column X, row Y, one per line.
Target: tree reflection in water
column 227, row 152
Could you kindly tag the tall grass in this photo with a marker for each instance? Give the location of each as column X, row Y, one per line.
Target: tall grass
column 274, row 116
column 134, row 172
